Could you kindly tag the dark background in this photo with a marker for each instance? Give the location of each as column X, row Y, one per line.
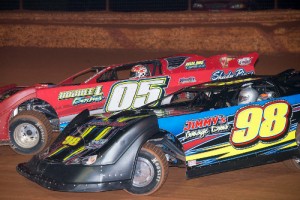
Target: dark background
column 131, row 5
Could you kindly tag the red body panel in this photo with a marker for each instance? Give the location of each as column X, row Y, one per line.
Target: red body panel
column 175, row 72
column 7, row 107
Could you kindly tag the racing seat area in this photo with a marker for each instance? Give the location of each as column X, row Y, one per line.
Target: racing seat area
column 110, row 75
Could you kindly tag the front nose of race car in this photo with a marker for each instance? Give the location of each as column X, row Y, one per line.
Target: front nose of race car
column 35, row 171
column 97, row 155
column 61, row 177
column 8, row 90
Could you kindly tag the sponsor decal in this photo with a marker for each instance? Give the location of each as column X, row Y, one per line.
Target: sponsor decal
column 244, row 61
column 112, row 124
column 84, row 100
column 202, row 127
column 224, row 62
column 42, row 132
column 220, row 74
column 198, row 133
column 187, row 80
column 96, row 144
column 158, row 169
column 83, row 96
column 195, row 64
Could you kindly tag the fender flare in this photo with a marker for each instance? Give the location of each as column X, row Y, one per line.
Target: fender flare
column 119, row 156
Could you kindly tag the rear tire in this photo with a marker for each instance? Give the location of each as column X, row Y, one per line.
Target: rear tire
column 293, row 164
column 151, row 171
column 30, row 132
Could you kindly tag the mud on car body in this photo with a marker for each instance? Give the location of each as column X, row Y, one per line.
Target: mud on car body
column 208, row 128
column 29, row 114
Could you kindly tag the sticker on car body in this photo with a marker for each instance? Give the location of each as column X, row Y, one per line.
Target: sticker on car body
column 83, row 96
column 132, row 94
column 221, row 74
column 195, row 64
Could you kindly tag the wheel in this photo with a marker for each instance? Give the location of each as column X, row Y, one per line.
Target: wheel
column 30, row 131
column 151, row 171
column 293, row 164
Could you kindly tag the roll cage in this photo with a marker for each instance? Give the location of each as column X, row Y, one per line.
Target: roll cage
column 224, row 93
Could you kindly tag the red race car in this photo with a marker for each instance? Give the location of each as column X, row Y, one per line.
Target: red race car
column 28, row 115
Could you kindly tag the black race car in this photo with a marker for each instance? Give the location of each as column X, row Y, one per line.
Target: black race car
column 208, row 128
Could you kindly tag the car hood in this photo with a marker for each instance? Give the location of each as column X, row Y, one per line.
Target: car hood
column 90, row 135
column 11, row 89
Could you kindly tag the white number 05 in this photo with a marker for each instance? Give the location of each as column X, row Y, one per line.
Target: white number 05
column 132, row 94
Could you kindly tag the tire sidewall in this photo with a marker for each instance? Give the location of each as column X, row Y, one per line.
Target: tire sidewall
column 296, row 163
column 41, row 131
column 157, row 179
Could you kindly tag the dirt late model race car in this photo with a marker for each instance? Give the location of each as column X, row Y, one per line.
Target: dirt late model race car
column 208, row 128
column 29, row 114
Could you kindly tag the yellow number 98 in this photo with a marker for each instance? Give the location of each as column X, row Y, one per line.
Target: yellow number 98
column 255, row 122
column 71, row 140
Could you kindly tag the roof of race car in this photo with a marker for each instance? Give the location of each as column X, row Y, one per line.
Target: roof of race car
column 170, row 65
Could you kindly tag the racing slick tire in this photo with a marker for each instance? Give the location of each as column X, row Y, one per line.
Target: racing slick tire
column 294, row 163
column 151, row 171
column 30, row 132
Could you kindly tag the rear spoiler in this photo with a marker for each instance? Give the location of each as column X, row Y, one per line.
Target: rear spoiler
column 226, row 61
column 243, row 61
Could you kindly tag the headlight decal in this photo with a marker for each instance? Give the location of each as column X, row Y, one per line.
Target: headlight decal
column 89, row 160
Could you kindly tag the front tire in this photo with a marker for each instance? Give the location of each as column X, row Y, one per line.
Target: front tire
column 30, row 132
column 150, row 172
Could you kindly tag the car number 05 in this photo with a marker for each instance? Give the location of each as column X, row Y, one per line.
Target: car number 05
column 266, row 123
column 135, row 93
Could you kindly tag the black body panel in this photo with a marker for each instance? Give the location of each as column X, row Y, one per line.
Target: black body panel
column 240, row 164
column 113, row 169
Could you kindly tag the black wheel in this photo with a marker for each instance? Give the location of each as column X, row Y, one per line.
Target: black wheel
column 151, row 171
column 293, row 164
column 30, row 131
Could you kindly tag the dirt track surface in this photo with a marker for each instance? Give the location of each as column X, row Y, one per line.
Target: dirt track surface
column 26, row 66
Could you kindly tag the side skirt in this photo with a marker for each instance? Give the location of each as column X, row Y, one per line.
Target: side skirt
column 238, row 164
